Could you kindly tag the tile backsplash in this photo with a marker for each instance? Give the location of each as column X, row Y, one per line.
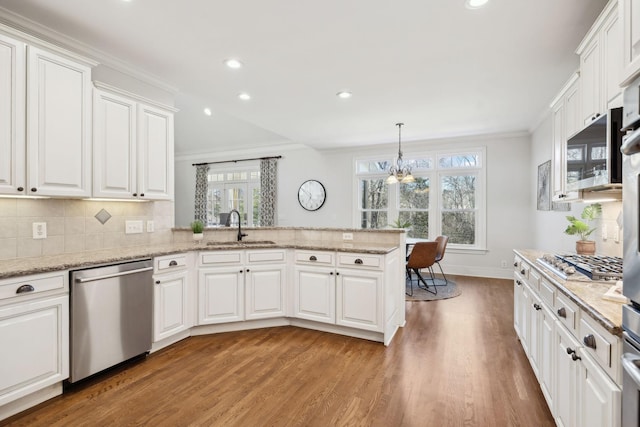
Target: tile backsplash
column 72, row 225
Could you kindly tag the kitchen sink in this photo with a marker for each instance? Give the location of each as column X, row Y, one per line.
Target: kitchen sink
column 243, row 243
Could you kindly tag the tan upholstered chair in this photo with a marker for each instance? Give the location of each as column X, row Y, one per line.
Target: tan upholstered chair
column 423, row 256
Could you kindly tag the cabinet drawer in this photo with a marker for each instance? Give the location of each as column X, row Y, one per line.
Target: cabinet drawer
column 359, row 260
column 516, row 263
column 567, row 312
column 524, row 270
column 547, row 292
column 315, row 257
column 266, row 256
column 534, row 280
column 220, row 257
column 29, row 285
column 595, row 343
column 170, row 262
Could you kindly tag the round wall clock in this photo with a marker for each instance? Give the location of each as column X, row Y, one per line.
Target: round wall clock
column 312, row 195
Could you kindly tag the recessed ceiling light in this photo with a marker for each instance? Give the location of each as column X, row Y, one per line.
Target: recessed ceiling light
column 344, row 94
column 233, row 63
column 475, row 4
column 207, row 111
column 244, row 96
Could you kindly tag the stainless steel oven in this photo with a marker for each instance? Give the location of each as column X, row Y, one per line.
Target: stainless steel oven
column 631, row 259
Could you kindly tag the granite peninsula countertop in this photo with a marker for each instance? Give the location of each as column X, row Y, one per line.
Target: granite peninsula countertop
column 587, row 294
column 25, row 266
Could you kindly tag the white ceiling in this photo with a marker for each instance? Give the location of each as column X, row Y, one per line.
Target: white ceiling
column 440, row 68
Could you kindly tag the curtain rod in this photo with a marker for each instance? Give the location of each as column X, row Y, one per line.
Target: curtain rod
column 236, row 161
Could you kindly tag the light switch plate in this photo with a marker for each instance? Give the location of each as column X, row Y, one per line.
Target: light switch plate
column 39, row 230
column 150, row 226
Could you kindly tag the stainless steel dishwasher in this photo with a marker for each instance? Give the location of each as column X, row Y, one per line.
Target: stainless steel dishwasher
column 111, row 315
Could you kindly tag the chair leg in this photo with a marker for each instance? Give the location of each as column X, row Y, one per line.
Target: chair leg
column 410, row 283
column 426, row 286
column 446, row 282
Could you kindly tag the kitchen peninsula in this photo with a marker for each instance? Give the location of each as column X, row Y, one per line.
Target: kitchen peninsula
column 305, row 277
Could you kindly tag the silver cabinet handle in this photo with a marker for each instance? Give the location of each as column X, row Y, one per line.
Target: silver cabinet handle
column 108, row 276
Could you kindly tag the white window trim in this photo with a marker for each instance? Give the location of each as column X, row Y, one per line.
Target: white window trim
column 434, row 175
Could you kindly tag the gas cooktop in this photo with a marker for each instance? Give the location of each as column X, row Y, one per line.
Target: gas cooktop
column 595, row 267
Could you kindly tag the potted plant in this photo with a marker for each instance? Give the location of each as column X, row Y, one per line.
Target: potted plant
column 584, row 246
column 398, row 223
column 197, row 227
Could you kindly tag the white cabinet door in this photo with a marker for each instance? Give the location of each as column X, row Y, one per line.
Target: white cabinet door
column 517, row 306
column 572, row 122
column 114, row 142
column 12, row 116
column 59, row 125
column 559, row 148
column 565, row 378
column 546, row 359
column 170, row 304
column 265, row 291
column 359, row 299
column 612, row 62
column 220, row 295
column 590, row 80
column 631, row 35
column 155, row 150
column 315, row 294
column 599, row 397
column 35, row 346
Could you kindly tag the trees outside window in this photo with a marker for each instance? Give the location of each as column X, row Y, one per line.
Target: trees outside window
column 446, row 198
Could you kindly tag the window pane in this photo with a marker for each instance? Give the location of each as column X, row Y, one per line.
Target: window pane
column 419, row 223
column 415, row 195
column 460, row 161
column 373, row 193
column 372, row 166
column 373, row 219
column 460, row 227
column 216, row 177
column 458, row 192
column 214, row 206
column 418, row 164
column 236, row 200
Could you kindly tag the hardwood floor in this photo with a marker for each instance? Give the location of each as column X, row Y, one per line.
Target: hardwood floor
column 456, row 363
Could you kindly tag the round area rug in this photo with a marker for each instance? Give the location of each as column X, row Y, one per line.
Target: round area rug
column 450, row 290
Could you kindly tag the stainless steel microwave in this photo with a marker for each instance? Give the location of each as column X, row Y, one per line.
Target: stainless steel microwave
column 594, row 161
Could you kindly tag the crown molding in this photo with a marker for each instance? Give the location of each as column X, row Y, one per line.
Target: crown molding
column 116, row 90
column 36, row 33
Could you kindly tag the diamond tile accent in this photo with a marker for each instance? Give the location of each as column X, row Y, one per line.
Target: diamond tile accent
column 103, row 216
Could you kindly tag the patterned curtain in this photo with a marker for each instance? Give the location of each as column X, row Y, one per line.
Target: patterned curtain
column 268, row 191
column 200, row 210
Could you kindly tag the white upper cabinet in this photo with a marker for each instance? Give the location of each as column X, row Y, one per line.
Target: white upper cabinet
column 601, row 65
column 12, row 122
column 155, row 147
column 631, row 43
column 45, row 119
column 114, row 145
column 58, row 125
column 133, row 144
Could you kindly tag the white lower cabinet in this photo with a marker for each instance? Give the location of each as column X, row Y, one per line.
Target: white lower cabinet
column 314, row 296
column 171, row 304
column 576, row 379
column 359, row 299
column 34, row 339
column 264, row 286
column 220, row 295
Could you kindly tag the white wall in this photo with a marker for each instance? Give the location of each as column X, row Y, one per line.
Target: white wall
column 548, row 226
column 508, row 192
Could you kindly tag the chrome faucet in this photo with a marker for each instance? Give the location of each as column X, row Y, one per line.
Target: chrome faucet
column 240, row 233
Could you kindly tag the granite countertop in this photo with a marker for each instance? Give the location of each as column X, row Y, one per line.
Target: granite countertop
column 26, row 266
column 586, row 293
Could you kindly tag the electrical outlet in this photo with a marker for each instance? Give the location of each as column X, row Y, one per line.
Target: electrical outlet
column 604, row 232
column 133, row 227
column 347, row 236
column 150, row 226
column 39, row 230
column 503, row 263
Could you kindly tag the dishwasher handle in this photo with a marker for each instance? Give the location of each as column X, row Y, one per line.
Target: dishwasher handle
column 108, row 276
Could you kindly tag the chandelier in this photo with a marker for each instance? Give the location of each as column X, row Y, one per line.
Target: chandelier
column 399, row 172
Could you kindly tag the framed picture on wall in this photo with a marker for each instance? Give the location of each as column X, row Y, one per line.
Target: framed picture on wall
column 544, row 186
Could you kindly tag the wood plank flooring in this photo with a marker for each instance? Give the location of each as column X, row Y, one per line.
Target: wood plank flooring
column 456, row 363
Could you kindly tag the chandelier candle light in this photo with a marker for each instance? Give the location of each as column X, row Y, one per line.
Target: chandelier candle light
column 399, row 172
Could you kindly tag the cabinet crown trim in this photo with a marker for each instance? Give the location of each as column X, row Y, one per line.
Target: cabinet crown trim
column 598, row 23
column 115, row 90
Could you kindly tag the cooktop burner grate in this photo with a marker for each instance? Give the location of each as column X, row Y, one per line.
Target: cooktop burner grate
column 596, row 267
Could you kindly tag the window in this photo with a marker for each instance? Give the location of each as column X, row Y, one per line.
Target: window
column 446, row 198
column 234, row 189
